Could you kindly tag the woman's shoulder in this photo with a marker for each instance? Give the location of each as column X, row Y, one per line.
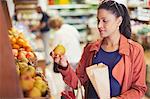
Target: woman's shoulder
column 135, row 44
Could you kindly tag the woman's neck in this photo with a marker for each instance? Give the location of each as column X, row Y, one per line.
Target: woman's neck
column 111, row 43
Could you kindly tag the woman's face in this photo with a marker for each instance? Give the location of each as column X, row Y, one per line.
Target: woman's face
column 108, row 23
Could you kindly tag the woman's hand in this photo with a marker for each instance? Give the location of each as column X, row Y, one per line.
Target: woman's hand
column 59, row 59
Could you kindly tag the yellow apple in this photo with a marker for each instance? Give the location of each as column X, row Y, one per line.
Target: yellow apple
column 30, row 70
column 35, row 92
column 59, row 50
column 24, row 59
column 27, row 82
column 22, row 65
column 41, row 85
column 37, row 78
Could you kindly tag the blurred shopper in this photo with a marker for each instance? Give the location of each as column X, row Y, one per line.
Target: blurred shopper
column 123, row 56
column 44, row 32
column 68, row 36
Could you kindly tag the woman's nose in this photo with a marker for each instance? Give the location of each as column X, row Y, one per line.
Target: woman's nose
column 100, row 24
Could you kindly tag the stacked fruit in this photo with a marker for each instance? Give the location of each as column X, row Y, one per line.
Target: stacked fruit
column 32, row 83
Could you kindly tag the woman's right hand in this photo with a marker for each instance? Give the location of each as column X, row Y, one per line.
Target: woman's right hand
column 59, row 59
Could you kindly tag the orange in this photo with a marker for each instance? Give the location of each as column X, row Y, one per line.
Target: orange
column 59, row 50
column 15, row 46
column 13, row 40
column 20, row 41
column 28, row 49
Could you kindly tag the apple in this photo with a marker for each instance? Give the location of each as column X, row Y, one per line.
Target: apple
column 15, row 52
column 28, row 48
column 35, row 92
column 30, row 70
column 37, row 78
column 24, row 52
column 27, row 82
column 21, row 55
column 30, row 55
column 24, row 60
column 59, row 50
column 41, row 85
column 22, row 65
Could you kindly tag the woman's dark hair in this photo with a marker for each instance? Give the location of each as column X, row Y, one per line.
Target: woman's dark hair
column 119, row 10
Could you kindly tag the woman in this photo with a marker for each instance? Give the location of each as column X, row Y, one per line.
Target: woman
column 124, row 57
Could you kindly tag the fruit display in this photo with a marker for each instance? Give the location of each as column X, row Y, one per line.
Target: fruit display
column 32, row 82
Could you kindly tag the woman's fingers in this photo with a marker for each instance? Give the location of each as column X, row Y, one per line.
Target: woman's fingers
column 63, row 61
column 57, row 59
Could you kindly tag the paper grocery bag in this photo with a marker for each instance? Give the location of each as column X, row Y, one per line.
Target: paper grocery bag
column 99, row 77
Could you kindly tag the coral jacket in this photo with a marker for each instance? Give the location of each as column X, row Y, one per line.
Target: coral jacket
column 130, row 71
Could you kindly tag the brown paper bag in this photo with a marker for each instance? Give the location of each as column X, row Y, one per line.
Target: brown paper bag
column 99, row 77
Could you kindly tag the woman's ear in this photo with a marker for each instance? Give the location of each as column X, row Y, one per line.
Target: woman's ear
column 119, row 20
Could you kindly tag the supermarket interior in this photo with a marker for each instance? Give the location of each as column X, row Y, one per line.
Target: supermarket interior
column 31, row 29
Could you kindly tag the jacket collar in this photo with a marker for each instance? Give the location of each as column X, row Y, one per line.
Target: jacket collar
column 123, row 48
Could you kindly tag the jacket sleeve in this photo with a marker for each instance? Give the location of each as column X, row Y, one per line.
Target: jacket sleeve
column 138, row 87
column 70, row 77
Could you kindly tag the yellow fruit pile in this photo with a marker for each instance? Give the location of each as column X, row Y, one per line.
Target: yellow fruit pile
column 32, row 83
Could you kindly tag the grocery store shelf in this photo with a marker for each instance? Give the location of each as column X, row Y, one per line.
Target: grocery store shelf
column 80, row 26
column 70, row 6
column 141, row 20
column 75, row 14
column 74, row 21
column 25, row 1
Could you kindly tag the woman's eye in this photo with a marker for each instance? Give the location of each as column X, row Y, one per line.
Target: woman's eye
column 105, row 21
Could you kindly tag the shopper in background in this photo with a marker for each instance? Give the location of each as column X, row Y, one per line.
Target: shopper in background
column 124, row 57
column 44, row 32
column 15, row 18
column 69, row 37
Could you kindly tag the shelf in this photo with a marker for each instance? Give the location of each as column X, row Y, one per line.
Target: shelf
column 26, row 7
column 70, row 6
column 136, row 19
column 80, row 26
column 74, row 14
column 136, row 6
column 74, row 21
column 25, row 1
